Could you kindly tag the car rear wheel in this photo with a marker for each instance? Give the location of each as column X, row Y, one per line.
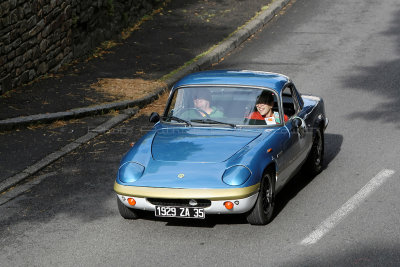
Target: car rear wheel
column 263, row 210
column 126, row 212
column 314, row 162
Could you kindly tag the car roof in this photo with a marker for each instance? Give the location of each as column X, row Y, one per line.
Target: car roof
column 235, row 77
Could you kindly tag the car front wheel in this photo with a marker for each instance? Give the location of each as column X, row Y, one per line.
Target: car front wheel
column 263, row 210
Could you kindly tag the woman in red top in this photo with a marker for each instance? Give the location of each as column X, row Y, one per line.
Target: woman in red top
column 264, row 105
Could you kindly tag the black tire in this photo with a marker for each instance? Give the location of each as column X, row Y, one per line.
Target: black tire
column 263, row 211
column 314, row 162
column 126, row 212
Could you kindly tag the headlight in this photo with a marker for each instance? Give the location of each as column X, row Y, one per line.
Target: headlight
column 130, row 172
column 236, row 175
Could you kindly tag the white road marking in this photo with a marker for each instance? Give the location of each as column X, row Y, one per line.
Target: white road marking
column 347, row 208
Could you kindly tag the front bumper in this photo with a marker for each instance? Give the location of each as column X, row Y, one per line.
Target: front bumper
column 243, row 198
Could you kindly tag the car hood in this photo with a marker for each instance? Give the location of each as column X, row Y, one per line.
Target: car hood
column 203, row 145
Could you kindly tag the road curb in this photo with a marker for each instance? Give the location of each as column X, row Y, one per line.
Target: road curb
column 215, row 55
column 36, row 167
column 9, row 124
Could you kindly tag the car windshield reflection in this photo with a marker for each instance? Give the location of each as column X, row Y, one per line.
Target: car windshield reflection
column 223, row 105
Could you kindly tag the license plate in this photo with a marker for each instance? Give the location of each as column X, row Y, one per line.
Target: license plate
column 180, row 212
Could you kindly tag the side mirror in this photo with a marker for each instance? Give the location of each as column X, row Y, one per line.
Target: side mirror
column 154, row 117
column 296, row 123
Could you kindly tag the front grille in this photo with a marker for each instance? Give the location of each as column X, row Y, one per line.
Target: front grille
column 179, row 202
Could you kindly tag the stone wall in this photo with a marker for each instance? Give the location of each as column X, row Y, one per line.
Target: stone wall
column 39, row 36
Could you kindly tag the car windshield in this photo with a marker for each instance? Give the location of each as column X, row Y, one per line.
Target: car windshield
column 223, row 106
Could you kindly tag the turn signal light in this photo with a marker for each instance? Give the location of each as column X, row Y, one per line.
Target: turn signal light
column 228, row 205
column 131, row 201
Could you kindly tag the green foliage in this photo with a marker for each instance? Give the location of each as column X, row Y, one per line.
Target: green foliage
column 125, row 17
column 110, row 7
column 74, row 20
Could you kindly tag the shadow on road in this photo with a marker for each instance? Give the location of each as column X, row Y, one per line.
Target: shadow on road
column 370, row 254
column 333, row 143
column 382, row 79
column 209, row 222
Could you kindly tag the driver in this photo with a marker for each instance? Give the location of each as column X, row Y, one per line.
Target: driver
column 202, row 103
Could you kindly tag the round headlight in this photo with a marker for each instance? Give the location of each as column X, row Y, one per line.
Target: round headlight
column 236, row 175
column 130, row 172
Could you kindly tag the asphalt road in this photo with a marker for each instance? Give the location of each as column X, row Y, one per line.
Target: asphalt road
column 348, row 52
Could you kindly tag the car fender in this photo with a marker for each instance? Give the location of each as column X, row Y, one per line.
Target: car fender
column 260, row 154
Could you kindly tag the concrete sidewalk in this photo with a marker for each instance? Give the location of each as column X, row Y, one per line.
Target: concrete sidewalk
column 179, row 39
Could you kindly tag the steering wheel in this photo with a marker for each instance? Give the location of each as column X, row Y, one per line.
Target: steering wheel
column 199, row 110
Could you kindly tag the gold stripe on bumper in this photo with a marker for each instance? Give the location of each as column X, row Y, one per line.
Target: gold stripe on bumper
column 183, row 193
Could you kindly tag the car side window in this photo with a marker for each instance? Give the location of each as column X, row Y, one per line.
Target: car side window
column 289, row 102
column 297, row 96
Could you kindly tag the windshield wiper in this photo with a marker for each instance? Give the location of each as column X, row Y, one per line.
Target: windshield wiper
column 177, row 119
column 214, row 122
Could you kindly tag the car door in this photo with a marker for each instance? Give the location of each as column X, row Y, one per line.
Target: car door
column 293, row 147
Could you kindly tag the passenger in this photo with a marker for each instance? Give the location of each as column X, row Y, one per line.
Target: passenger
column 263, row 110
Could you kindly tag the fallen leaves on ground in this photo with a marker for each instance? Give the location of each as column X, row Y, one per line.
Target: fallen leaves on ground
column 157, row 106
column 119, row 89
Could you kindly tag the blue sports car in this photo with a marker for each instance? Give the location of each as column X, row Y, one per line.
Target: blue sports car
column 227, row 143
